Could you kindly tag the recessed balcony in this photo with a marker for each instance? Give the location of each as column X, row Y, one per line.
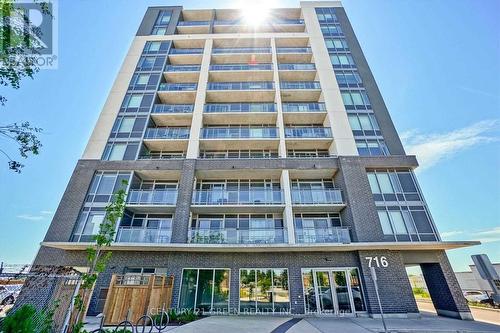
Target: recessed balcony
column 224, row 138
column 271, row 25
column 185, row 56
column 172, row 114
column 167, row 138
column 323, row 235
column 304, row 113
column 230, row 92
column 308, row 137
column 193, row 27
column 242, row 55
column 294, row 54
column 238, row 236
column 239, row 113
column 144, row 201
column 297, row 72
column 177, row 93
column 231, row 201
column 241, row 72
column 144, row 235
column 300, row 91
column 318, row 200
column 182, row 73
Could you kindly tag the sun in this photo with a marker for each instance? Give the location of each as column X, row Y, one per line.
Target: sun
column 255, row 15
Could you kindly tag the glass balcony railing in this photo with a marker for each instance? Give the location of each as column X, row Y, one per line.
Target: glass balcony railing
column 143, row 235
column 262, row 85
column 186, row 86
column 300, row 85
column 237, row 236
column 186, row 51
column 293, row 50
column 304, row 107
column 241, row 50
column 239, row 133
column 330, row 196
column 192, row 23
column 296, row 67
column 173, row 108
column 218, row 197
column 152, row 197
column 240, row 107
column 182, row 68
column 323, row 235
column 269, row 22
column 177, row 133
column 308, row 132
column 242, row 67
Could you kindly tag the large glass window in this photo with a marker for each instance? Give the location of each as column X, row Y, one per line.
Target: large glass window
column 264, row 290
column 392, row 185
column 342, row 61
column 205, row 289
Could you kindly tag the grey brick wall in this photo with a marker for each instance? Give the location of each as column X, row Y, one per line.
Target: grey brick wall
column 182, row 210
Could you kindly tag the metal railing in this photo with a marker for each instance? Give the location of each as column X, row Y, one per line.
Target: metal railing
column 237, row 197
column 186, row 51
column 156, row 156
column 173, row 108
column 192, row 23
column 237, row 236
column 182, row 68
column 300, row 85
column 269, row 22
column 262, row 85
column 241, row 50
column 167, row 133
column 308, row 132
column 241, row 67
column 304, row 107
column 239, row 132
column 152, row 197
column 296, row 67
column 317, row 197
column 186, row 86
column 240, row 107
column 323, row 235
column 143, row 235
column 293, row 50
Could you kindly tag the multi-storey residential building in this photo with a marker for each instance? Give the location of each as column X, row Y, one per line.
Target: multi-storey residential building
column 264, row 171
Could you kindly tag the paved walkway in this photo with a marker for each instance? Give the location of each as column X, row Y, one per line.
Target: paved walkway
column 249, row 324
column 491, row 316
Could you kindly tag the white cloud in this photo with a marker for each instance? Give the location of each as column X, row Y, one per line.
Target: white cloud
column 482, row 235
column 46, row 212
column 43, row 215
column 450, row 234
column 430, row 149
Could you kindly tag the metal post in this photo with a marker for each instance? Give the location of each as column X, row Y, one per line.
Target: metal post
column 374, row 278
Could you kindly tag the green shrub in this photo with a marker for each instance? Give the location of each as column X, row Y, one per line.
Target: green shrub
column 187, row 316
column 21, row 321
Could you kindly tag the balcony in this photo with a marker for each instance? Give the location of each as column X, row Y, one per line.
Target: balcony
column 230, row 92
column 297, row 72
column 294, row 54
column 271, row 25
column 239, row 113
column 172, row 114
column 167, row 138
column 229, row 201
column 241, row 72
column 304, row 113
column 193, row 27
column 240, row 133
column 177, row 93
column 175, row 51
column 320, row 200
column 237, row 236
column 243, row 55
column 323, row 235
column 308, row 137
column 143, row 235
column 148, row 201
column 182, row 73
column 300, row 91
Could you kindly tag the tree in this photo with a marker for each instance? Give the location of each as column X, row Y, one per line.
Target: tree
column 18, row 47
column 98, row 256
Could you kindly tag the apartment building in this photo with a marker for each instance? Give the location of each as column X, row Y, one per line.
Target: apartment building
column 264, row 171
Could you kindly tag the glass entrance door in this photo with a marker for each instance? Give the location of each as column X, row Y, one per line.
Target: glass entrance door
column 324, row 292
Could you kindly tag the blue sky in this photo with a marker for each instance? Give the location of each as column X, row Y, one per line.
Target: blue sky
column 437, row 64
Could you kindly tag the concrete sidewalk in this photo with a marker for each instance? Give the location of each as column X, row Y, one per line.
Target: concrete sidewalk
column 243, row 324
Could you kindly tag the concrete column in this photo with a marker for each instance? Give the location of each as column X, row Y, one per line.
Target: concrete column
column 288, row 212
column 337, row 115
column 197, row 122
column 280, row 122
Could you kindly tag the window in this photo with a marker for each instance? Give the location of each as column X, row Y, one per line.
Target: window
column 104, row 184
column 406, row 223
column 120, row 151
column 326, row 14
column 364, row 124
column 156, row 47
column 126, row 125
column 205, row 289
column 336, row 44
column 142, row 79
column 264, row 290
column 374, row 147
column 159, row 31
column 342, row 61
column 354, row 100
column 161, row 23
column 153, row 46
column 390, row 188
column 88, row 224
column 134, row 101
column 385, row 222
column 331, row 30
column 348, row 79
column 151, row 63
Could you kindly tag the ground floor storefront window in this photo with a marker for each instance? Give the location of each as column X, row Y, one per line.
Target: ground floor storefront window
column 205, row 289
column 264, row 290
column 332, row 290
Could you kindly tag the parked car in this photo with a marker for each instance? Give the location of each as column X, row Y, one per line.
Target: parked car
column 8, row 294
column 476, row 296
